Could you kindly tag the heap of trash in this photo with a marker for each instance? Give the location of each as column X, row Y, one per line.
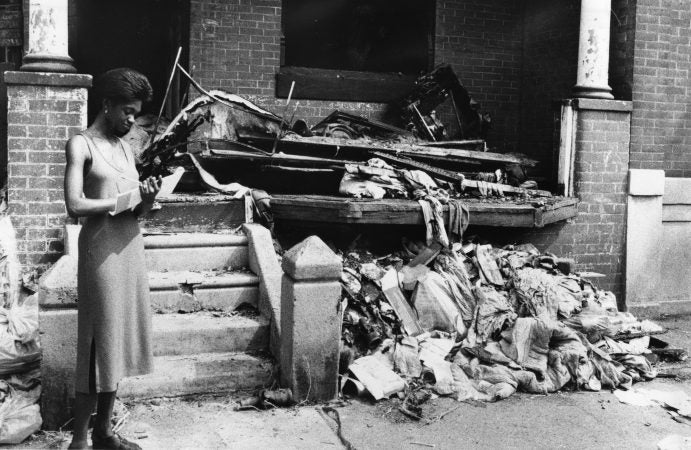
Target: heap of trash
column 20, row 352
column 219, row 137
column 479, row 323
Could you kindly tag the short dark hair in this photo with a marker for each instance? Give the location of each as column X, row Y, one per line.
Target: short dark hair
column 122, row 85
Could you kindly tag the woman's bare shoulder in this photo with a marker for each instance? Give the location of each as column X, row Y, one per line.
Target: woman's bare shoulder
column 78, row 147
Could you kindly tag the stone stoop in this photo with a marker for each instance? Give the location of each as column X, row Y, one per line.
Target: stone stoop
column 209, row 347
column 202, row 342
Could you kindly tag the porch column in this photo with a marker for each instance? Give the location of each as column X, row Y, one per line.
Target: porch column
column 593, row 50
column 46, row 37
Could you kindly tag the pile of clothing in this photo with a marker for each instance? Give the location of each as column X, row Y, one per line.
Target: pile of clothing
column 480, row 323
column 20, row 351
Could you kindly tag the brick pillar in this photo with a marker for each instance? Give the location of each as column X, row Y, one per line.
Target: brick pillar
column 44, row 110
column 599, row 141
column 310, row 320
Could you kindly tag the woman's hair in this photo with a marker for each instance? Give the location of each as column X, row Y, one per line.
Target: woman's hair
column 122, row 85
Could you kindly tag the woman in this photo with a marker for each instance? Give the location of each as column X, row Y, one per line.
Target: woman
column 114, row 318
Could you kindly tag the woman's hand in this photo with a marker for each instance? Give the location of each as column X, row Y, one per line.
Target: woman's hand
column 149, row 188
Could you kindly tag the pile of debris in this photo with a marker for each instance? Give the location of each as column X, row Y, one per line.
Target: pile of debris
column 20, row 352
column 479, row 323
column 366, row 158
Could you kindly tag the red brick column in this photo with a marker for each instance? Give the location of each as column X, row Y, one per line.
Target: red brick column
column 596, row 237
column 44, row 110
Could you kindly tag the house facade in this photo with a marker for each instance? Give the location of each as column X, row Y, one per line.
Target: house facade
column 620, row 72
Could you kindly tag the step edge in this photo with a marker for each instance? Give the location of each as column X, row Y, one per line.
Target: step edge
column 212, row 323
column 228, row 280
column 175, row 240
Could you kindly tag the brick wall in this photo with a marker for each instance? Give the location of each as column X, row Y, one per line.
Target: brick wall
column 10, row 23
column 40, row 120
column 661, row 123
column 235, row 45
column 621, row 48
column 596, row 237
column 482, row 40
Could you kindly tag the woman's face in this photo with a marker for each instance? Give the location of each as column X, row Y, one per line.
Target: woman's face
column 121, row 116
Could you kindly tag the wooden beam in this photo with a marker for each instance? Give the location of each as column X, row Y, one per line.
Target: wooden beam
column 341, row 146
column 342, row 85
column 326, row 209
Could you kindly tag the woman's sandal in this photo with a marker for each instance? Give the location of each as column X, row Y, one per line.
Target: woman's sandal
column 112, row 442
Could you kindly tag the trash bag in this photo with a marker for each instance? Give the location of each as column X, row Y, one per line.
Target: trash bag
column 436, row 306
column 9, row 264
column 20, row 415
column 19, row 345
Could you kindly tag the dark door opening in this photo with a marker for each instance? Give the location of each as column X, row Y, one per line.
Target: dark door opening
column 141, row 34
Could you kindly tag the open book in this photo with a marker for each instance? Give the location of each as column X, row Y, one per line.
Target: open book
column 130, row 199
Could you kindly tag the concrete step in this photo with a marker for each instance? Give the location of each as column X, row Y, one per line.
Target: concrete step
column 196, row 374
column 204, row 332
column 196, row 213
column 193, row 291
column 195, row 251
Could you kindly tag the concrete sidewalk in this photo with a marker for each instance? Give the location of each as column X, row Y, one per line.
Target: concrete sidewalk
column 559, row 420
column 562, row 420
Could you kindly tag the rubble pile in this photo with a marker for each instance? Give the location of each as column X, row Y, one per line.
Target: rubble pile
column 479, row 323
column 371, row 159
column 20, row 352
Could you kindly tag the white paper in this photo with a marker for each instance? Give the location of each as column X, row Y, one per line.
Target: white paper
column 380, row 381
column 130, row 199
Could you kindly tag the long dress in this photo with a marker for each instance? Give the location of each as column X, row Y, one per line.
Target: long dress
column 114, row 318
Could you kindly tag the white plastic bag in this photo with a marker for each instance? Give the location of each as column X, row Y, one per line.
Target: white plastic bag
column 19, row 345
column 20, row 415
column 9, row 264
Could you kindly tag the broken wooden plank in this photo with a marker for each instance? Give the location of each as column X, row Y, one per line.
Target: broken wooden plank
column 342, row 85
column 426, row 255
column 279, row 158
column 637, row 334
column 507, row 188
column 360, row 149
column 330, row 209
column 400, row 305
column 455, row 144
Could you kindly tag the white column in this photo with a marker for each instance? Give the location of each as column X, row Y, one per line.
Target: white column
column 46, row 37
column 593, row 50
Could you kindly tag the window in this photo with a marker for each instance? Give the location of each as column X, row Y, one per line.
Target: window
column 368, row 44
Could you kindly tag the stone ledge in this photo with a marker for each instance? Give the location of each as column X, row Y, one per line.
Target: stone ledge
column 645, row 182
column 655, row 310
column 596, row 104
column 48, row 79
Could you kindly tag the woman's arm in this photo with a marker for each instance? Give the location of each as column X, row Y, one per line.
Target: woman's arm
column 148, row 189
column 77, row 205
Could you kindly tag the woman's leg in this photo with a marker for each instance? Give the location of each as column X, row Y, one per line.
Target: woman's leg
column 103, row 435
column 104, row 414
column 83, row 408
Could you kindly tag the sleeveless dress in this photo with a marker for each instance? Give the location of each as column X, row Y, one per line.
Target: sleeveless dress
column 114, row 317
